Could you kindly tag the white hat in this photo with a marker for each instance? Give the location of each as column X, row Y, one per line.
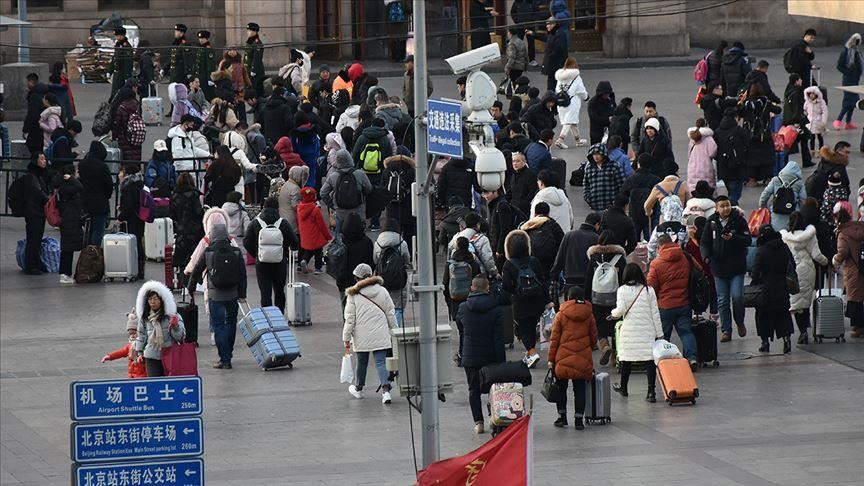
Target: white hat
column 653, row 123
column 160, row 146
column 362, row 270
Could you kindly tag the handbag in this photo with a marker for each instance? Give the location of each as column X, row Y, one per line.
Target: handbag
column 505, row 87
column 550, row 389
column 180, row 359
column 757, row 219
column 754, row 295
column 792, row 283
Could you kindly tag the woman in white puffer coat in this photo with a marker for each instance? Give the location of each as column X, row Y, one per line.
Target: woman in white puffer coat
column 804, row 246
column 570, row 81
column 640, row 327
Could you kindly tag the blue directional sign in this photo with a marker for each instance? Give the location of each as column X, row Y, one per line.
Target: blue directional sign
column 444, row 127
column 144, row 439
column 187, row 472
column 136, row 398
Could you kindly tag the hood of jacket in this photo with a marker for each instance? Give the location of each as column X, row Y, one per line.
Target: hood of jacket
column 97, row 151
column 798, row 239
column 177, row 131
column 547, row 97
column 670, row 252
column 566, row 75
column 308, row 195
column 232, row 209
column 813, row 90
column 399, row 161
column 374, row 133
column 851, row 42
column 181, row 91
column 164, row 293
column 534, row 223
column 298, row 174
column 480, row 302
column 606, row 250
column 51, row 110
column 552, row 196
column 576, row 311
column 790, row 172
column 603, row 87
column 284, row 146
column 353, row 111
column 704, row 131
column 355, row 71
column 832, row 157
column 344, row 161
column 214, row 216
column 517, row 240
column 389, row 238
column 333, row 141
column 733, row 55
column 366, row 282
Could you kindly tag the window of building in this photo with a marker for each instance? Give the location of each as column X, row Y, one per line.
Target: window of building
column 124, row 4
column 40, row 5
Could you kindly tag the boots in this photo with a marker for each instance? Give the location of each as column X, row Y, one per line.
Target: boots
column 803, row 338
column 652, row 396
column 765, row 347
column 605, row 351
column 578, row 423
column 787, row 344
column 562, row 419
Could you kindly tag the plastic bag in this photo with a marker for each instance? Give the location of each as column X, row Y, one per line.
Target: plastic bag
column 544, row 328
column 758, row 218
column 347, row 373
column 663, row 349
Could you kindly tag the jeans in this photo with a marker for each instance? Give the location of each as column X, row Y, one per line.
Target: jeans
column 223, row 318
column 35, row 230
column 400, row 316
column 380, row 365
column 473, row 377
column 730, row 290
column 735, row 189
column 680, row 318
column 97, row 229
column 847, row 111
column 650, row 372
column 579, row 387
column 271, row 282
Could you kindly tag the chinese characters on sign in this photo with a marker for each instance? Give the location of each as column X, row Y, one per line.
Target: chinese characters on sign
column 137, row 440
column 444, row 128
column 136, row 398
column 188, row 472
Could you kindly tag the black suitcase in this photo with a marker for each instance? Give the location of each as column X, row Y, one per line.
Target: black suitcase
column 705, row 332
column 506, row 372
column 189, row 312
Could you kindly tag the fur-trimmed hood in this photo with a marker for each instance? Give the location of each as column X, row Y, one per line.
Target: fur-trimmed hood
column 534, row 223
column 704, row 131
column 220, row 75
column 164, row 293
column 851, row 41
column 208, row 215
column 813, row 90
column 799, row 238
column 830, row 156
column 566, row 75
column 395, row 160
column 366, row 282
column 511, row 240
column 606, row 249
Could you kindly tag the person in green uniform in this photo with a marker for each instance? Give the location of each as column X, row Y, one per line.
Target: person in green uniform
column 181, row 62
column 121, row 64
column 253, row 58
column 206, row 63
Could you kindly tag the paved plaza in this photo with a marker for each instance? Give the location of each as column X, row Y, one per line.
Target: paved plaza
column 760, row 419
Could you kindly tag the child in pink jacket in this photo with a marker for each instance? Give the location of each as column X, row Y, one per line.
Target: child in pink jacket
column 817, row 112
column 700, row 154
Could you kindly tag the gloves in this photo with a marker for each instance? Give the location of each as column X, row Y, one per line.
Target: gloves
column 173, row 322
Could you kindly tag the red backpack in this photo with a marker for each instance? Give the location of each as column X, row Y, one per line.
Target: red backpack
column 700, row 72
column 52, row 209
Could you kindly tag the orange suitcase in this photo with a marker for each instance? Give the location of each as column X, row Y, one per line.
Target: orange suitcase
column 677, row 381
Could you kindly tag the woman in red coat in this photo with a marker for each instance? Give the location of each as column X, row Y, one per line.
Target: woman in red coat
column 574, row 333
column 314, row 232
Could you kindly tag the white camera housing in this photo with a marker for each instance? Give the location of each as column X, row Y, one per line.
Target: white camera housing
column 490, row 167
column 474, row 59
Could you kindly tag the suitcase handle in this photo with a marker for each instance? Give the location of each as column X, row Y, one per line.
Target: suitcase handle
column 245, row 305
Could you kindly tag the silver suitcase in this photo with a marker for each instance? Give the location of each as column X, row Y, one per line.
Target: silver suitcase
column 298, row 298
column 598, row 399
column 828, row 319
column 121, row 256
column 158, row 235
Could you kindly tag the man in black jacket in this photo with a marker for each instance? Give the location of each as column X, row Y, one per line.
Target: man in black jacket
column 542, row 115
column 799, row 58
column 793, row 114
column 523, row 184
column 615, row 219
column 572, row 258
column 32, row 131
column 637, row 187
column 649, row 111
column 271, row 275
column 735, row 67
column 760, row 76
column 502, row 220
column 724, row 246
column 480, row 319
column 556, row 51
column 277, row 117
column 714, row 103
column 95, row 176
column 601, row 106
column 62, row 143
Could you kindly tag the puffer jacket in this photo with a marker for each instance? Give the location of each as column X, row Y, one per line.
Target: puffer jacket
column 182, row 146
column 349, row 118
column 559, row 206
column 369, row 316
column 393, row 239
column 134, row 368
column 187, row 212
column 314, row 232
column 805, row 250
column 541, row 117
column 391, row 113
column 669, row 274
column 49, row 120
column 816, row 110
column 71, row 212
column 700, row 155
column 482, row 248
column 147, row 328
column 345, row 165
column 285, row 148
column 570, row 80
column 574, row 333
column 517, row 54
column 735, row 68
column 96, row 177
column 456, row 179
column 791, row 176
column 307, row 144
column 850, row 237
column 600, row 110
column 636, row 308
column 482, row 339
column 289, row 194
column 238, row 219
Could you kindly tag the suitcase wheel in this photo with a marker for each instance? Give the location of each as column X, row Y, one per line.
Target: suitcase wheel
column 692, row 401
column 716, row 364
column 672, row 395
column 696, row 393
column 511, row 346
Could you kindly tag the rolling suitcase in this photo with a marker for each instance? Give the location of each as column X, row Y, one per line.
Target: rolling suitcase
column 189, row 312
column 151, row 108
column 506, row 404
column 828, row 319
column 91, row 264
column 598, row 399
column 505, row 372
column 269, row 338
column 171, row 280
column 158, row 235
column 121, row 256
column 705, row 332
column 298, row 298
column 677, row 381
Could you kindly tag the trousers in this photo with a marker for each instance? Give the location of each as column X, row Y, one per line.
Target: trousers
column 271, row 282
column 35, row 230
column 579, row 387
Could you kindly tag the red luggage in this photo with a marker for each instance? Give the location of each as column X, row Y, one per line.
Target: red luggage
column 677, row 381
column 170, row 280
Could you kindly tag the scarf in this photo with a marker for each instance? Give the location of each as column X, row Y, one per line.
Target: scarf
column 155, row 337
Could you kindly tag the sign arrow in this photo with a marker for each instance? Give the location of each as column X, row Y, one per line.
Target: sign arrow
column 190, row 472
column 187, row 391
column 188, row 431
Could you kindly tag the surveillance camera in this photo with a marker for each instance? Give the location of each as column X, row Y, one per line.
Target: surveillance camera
column 474, row 59
column 490, row 167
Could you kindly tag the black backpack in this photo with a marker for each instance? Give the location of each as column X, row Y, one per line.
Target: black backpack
column 699, row 289
column 542, row 241
column 397, row 187
column 391, row 268
column 223, row 264
column 527, row 283
column 727, row 156
column 347, row 190
column 785, row 199
column 16, row 197
column 787, row 61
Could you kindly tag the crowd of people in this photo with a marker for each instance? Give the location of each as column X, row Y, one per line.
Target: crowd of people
column 328, row 160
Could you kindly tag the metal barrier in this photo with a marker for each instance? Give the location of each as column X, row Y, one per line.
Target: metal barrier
column 8, row 174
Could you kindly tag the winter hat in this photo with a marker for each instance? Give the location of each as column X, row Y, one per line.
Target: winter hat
column 703, row 190
column 599, row 148
column 308, row 194
column 835, row 180
column 131, row 321
column 355, row 71
column 653, row 123
column 343, row 158
column 362, row 270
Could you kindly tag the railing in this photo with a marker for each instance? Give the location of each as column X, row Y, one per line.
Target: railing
column 12, row 168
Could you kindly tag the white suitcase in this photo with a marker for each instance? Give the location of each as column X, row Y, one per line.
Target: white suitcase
column 120, row 251
column 157, row 235
column 298, row 301
column 151, row 107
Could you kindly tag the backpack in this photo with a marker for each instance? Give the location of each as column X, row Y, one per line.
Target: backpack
column 700, row 72
column 52, row 209
column 785, row 199
column 289, row 88
column 604, row 283
column 102, row 120
column 347, row 190
column 698, row 288
column 136, row 131
column 396, row 12
column 577, row 177
column 270, row 242
column 459, row 285
column 337, row 258
column 397, row 189
column 528, row 285
column 562, row 97
column 16, row 197
column 787, row 61
column 728, row 156
column 146, row 205
column 542, row 241
column 371, row 158
column 223, row 264
column 391, row 267
column 816, row 182
column 49, row 150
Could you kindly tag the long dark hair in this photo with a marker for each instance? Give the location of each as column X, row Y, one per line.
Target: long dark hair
column 145, row 314
column 796, row 221
column 56, row 73
column 224, row 167
column 633, row 275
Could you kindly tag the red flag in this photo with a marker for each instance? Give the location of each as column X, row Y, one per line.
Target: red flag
column 502, row 461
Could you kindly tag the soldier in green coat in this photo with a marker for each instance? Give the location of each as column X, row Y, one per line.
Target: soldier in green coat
column 206, row 62
column 253, row 58
column 121, row 64
column 181, row 62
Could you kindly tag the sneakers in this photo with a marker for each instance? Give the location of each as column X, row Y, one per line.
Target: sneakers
column 355, row 392
column 318, row 271
column 561, row 145
column 532, row 360
column 620, row 390
column 221, row 366
column 838, row 125
column 561, row 422
column 212, row 339
column 578, row 423
column 66, row 279
column 386, row 399
column 742, row 330
column 851, row 126
column 304, row 267
column 694, row 365
column 478, row 427
column 581, row 142
column 726, row 337
column 533, row 63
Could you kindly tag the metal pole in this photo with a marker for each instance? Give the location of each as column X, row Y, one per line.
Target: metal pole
column 425, row 274
column 23, row 33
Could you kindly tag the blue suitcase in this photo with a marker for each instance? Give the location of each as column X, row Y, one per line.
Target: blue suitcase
column 269, row 337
